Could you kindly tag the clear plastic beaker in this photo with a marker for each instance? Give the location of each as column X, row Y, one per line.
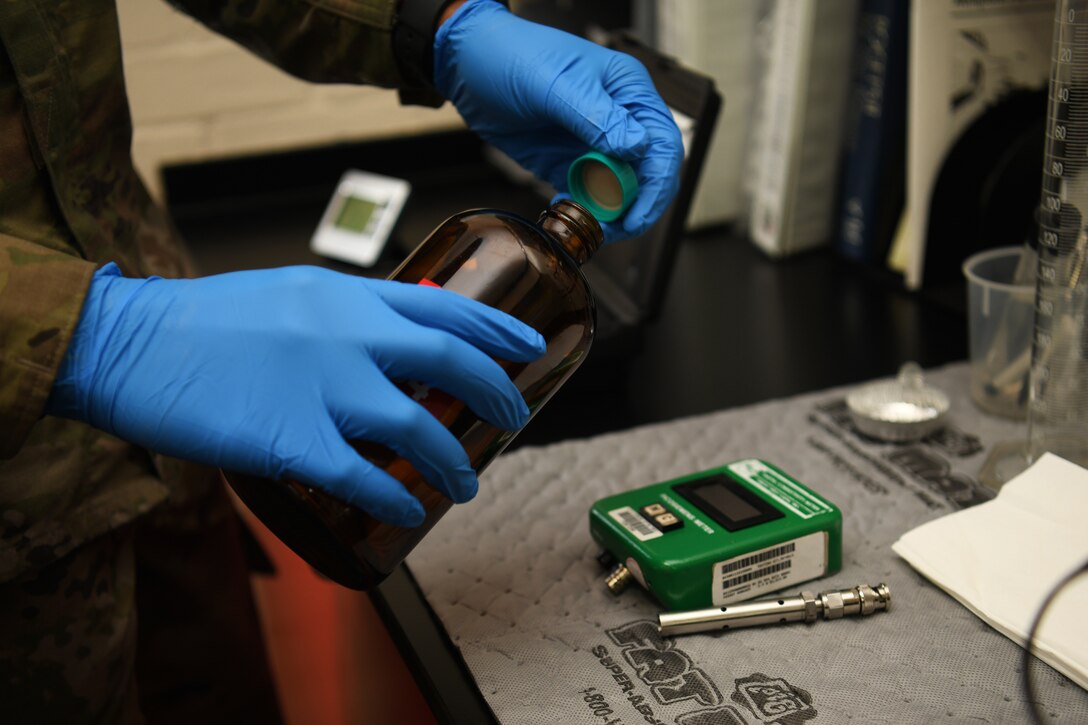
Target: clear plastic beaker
column 1000, row 324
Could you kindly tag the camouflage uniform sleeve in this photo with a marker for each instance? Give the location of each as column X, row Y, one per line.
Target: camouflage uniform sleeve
column 41, row 294
column 326, row 41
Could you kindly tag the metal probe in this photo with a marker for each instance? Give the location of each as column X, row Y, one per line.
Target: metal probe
column 806, row 607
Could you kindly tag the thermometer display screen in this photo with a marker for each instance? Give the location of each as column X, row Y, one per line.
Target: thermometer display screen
column 355, row 214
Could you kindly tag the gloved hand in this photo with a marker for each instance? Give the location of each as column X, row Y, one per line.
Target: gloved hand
column 271, row 372
column 545, row 97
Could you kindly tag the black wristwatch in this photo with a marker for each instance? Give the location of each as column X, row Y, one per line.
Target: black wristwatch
column 413, row 45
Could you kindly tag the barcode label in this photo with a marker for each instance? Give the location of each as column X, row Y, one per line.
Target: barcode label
column 745, row 578
column 759, row 558
column 769, row 569
column 631, row 520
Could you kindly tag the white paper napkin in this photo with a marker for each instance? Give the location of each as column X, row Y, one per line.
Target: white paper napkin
column 1000, row 559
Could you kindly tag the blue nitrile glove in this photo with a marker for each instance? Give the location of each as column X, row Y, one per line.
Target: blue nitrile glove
column 270, row 372
column 545, row 97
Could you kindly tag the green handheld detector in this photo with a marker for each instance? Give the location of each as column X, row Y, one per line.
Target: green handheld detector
column 719, row 536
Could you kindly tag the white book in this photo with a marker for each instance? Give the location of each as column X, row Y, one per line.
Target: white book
column 717, row 38
column 797, row 151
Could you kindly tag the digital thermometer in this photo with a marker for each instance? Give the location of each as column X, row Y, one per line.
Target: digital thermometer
column 360, row 217
column 719, row 536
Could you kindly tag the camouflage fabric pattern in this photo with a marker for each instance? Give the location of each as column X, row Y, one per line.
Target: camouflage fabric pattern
column 69, row 646
column 70, row 200
column 323, row 41
column 84, row 639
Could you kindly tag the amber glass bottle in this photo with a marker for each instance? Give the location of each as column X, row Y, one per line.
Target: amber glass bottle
column 530, row 271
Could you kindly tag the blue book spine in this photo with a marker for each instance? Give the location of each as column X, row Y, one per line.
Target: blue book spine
column 874, row 164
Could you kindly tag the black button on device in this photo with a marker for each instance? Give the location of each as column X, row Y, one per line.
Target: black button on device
column 661, row 517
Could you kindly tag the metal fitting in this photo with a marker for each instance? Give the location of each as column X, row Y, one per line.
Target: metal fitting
column 618, row 579
column 861, row 600
column 812, row 607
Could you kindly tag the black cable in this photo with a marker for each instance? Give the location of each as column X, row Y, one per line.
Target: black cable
column 1025, row 674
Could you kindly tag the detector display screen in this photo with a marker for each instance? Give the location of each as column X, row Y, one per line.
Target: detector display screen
column 730, row 504
column 355, row 214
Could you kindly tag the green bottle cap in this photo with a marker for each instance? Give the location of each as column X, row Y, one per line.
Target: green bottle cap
column 604, row 185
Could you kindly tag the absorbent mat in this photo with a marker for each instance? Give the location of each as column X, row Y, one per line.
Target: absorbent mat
column 514, row 579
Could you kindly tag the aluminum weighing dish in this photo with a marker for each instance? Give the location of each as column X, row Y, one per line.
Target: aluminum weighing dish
column 901, row 410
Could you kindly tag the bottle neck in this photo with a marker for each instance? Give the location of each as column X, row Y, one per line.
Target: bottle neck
column 573, row 228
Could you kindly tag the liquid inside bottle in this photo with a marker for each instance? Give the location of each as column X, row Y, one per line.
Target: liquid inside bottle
column 530, row 271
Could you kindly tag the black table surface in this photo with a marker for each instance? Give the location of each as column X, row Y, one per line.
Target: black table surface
column 735, row 328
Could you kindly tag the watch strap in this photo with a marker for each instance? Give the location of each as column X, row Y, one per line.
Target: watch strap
column 413, row 46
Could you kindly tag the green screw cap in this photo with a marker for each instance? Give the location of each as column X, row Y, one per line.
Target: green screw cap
column 604, row 185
